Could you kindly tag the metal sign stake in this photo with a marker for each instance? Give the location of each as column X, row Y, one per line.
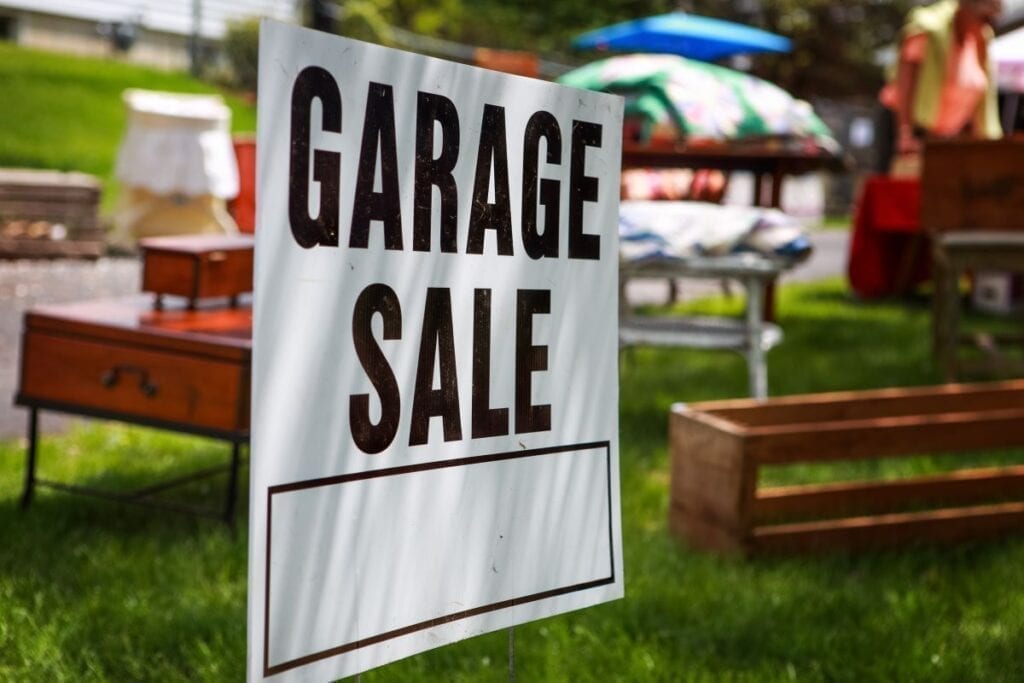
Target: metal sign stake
column 511, row 654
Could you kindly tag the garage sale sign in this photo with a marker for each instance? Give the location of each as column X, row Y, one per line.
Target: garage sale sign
column 435, row 389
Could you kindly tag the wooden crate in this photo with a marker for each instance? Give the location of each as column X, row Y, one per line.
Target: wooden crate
column 49, row 213
column 718, row 447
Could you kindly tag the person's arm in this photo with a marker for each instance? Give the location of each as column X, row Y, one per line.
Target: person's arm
column 906, row 80
column 911, row 56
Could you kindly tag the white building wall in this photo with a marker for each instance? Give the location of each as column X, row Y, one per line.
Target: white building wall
column 164, row 26
column 75, row 36
column 165, row 16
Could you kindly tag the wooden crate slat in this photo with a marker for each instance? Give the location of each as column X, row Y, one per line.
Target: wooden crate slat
column 43, row 194
column 75, row 248
column 961, row 487
column 947, row 525
column 682, row 414
column 886, row 436
column 855, row 405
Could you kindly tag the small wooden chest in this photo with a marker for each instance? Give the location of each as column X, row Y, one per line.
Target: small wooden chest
column 197, row 266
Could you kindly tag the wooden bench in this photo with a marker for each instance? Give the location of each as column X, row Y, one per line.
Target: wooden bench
column 717, row 449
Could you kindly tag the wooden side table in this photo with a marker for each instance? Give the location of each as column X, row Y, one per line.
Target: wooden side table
column 954, row 253
column 177, row 369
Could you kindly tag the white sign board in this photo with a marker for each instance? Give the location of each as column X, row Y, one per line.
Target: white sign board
column 435, row 380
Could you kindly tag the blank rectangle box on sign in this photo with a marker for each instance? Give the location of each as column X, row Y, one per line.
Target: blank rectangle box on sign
column 425, row 567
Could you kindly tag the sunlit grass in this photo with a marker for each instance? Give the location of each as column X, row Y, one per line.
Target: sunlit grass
column 96, row 591
column 65, row 113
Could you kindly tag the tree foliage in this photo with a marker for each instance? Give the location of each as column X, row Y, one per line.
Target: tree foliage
column 835, row 43
column 241, row 49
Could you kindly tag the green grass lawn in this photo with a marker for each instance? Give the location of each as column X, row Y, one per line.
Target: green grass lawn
column 66, row 113
column 95, row 591
column 837, row 222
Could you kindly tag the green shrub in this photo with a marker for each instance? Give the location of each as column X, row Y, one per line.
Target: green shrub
column 241, row 47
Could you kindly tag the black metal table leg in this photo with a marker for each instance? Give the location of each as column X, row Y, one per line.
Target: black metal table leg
column 232, row 492
column 30, row 459
column 147, row 495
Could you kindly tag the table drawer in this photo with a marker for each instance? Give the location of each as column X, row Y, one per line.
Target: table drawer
column 135, row 382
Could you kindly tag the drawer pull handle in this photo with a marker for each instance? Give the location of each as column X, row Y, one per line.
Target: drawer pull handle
column 218, row 256
column 112, row 376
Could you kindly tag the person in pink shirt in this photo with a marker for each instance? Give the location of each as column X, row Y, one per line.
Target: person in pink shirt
column 944, row 85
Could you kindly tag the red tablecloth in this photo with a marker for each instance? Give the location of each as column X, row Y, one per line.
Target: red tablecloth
column 243, row 207
column 886, row 246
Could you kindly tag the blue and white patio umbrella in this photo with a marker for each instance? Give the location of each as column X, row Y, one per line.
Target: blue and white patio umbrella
column 680, row 33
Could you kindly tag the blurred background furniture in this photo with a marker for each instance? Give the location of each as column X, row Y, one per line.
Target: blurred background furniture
column 965, row 185
column 973, row 185
column 183, row 365
column 49, row 213
column 176, row 165
column 751, row 335
column 197, row 267
column 177, row 369
column 771, row 161
column 955, row 254
column 972, row 208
